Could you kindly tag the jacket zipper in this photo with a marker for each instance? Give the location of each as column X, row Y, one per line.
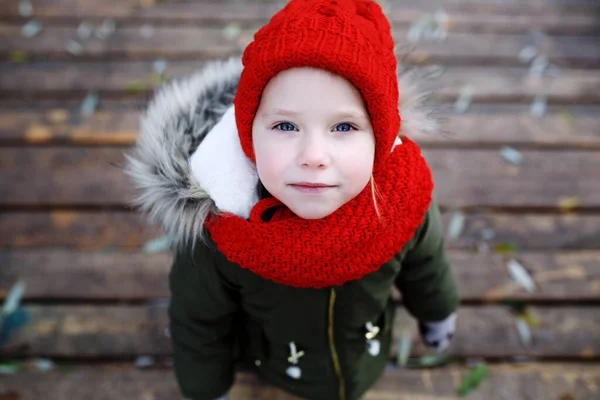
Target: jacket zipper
column 334, row 355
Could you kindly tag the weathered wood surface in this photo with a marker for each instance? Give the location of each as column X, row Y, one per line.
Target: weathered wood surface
column 67, row 176
column 200, row 42
column 137, row 79
column 124, row 331
column 119, row 381
column 500, row 16
column 113, row 230
column 566, row 127
column 137, row 276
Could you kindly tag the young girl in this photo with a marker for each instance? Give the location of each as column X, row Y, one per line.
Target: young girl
column 296, row 203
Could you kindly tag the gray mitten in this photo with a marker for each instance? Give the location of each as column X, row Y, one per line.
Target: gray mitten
column 438, row 334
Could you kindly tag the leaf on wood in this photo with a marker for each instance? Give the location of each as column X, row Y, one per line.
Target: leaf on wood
column 17, row 57
column 158, row 245
column 144, row 361
column 463, row 102
column 569, row 120
column 10, row 323
column 566, row 204
column 232, row 31
column 89, row 104
column 85, row 30
column 10, row 367
column 13, row 298
column 159, row 66
column 456, row 225
column 539, row 66
column 472, row 380
column 43, row 365
column 73, row 47
column 488, row 234
column 404, row 348
column 108, row 27
column 520, row 275
column 31, row 29
column 429, row 361
column 505, row 248
column 523, row 331
column 527, row 54
column 25, row 8
column 511, row 155
column 538, row 107
column 527, row 316
column 137, row 86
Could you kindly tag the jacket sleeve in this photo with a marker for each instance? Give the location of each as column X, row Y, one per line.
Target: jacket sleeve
column 429, row 291
column 202, row 311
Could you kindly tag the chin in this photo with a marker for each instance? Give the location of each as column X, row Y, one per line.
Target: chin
column 312, row 214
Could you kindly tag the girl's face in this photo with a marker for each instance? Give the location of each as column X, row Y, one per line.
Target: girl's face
column 313, row 141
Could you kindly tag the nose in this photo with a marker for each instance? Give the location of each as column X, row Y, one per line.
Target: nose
column 313, row 152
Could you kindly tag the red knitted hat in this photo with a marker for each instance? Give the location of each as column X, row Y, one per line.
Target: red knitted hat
column 351, row 38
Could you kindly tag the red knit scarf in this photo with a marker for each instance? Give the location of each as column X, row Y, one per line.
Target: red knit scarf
column 344, row 246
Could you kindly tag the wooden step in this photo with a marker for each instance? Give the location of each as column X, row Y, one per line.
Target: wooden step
column 484, row 125
column 117, row 331
column 64, row 275
column 74, row 176
column 120, row 230
column 124, row 382
column 201, row 42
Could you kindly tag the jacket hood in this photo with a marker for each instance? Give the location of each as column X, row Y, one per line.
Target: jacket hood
column 180, row 116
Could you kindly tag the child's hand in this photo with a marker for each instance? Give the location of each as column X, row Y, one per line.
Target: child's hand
column 438, row 334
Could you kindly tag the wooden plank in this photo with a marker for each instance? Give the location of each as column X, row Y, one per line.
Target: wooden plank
column 137, row 78
column 566, row 127
column 136, row 276
column 505, row 381
column 553, row 20
column 102, row 231
column 125, row 331
column 211, row 11
column 117, row 230
column 206, row 42
column 67, row 176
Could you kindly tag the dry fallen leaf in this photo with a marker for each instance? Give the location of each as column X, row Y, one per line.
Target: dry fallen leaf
column 456, row 225
column 511, row 155
column 31, row 29
column 520, row 275
column 17, row 57
column 538, row 107
column 404, row 348
column 523, row 331
column 566, row 204
column 527, row 54
column 232, row 31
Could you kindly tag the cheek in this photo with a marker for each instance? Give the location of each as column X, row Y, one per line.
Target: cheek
column 270, row 162
column 358, row 161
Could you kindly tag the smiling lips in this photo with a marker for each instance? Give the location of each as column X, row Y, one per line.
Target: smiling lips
column 311, row 188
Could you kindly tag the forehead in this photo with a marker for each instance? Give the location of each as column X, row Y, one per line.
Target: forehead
column 310, row 87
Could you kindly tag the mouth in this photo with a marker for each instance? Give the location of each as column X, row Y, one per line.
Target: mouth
column 311, row 187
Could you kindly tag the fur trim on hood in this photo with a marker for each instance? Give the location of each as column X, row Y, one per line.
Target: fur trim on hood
column 179, row 118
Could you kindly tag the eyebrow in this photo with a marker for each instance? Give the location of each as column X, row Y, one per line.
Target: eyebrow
column 355, row 114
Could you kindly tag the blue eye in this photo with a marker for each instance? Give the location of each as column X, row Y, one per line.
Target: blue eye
column 285, row 126
column 345, row 127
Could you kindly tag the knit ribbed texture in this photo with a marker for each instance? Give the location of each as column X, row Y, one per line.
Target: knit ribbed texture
column 341, row 247
column 351, row 38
